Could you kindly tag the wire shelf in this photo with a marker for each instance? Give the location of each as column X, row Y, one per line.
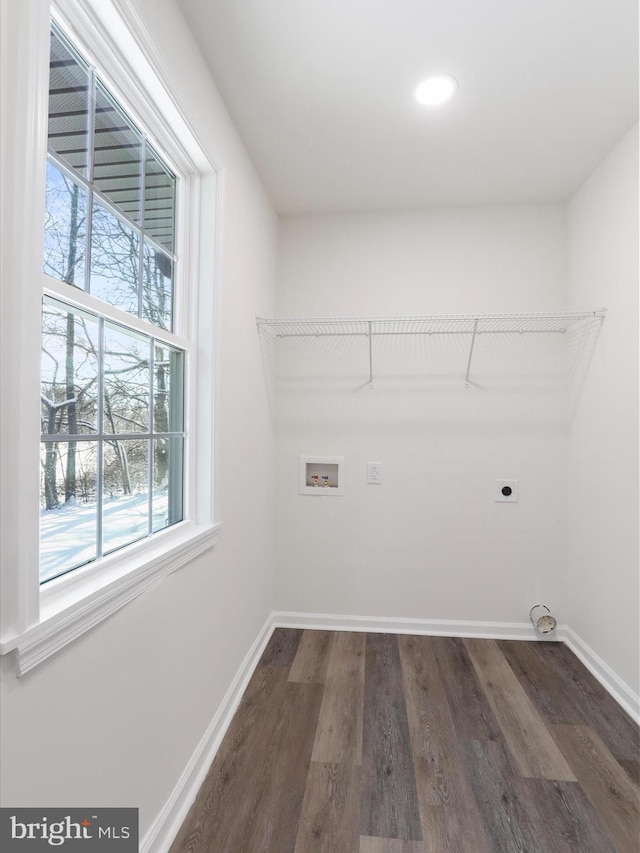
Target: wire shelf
column 473, row 325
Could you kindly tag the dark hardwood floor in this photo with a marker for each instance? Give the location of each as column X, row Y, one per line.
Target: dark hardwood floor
column 385, row 743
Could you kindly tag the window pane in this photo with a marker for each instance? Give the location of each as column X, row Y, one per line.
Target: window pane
column 126, row 380
column 107, row 478
column 65, row 229
column 168, row 389
column 69, row 371
column 125, row 508
column 159, row 200
column 68, row 105
column 68, row 506
column 167, row 481
column 157, row 288
column 115, row 260
column 117, row 156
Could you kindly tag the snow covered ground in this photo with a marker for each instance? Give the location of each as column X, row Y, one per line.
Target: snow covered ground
column 68, row 534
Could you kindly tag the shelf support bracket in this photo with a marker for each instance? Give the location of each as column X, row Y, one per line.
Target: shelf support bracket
column 473, row 341
column 370, row 357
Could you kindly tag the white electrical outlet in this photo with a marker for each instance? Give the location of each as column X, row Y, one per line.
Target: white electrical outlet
column 506, row 491
column 374, row 473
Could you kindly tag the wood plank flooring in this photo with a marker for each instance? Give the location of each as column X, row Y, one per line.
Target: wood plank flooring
column 381, row 743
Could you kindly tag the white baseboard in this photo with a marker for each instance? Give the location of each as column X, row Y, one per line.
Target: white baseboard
column 162, row 832
column 393, row 625
column 612, row 682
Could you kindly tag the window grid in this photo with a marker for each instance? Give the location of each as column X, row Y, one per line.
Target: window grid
column 104, row 200
column 100, row 437
column 89, row 189
column 156, row 189
column 88, row 183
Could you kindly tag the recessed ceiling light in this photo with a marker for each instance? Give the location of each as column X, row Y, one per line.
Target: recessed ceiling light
column 436, row 90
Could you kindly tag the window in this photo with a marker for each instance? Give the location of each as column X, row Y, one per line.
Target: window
column 110, row 197
column 111, row 392
column 113, row 372
column 112, row 440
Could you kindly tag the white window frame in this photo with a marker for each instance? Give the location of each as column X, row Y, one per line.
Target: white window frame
column 37, row 621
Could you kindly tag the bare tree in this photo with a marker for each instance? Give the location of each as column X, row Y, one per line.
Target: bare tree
column 118, row 268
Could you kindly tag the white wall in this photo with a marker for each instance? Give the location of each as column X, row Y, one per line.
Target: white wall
column 603, row 598
column 430, row 542
column 114, row 718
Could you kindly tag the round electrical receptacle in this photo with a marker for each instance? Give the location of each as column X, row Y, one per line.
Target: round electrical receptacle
column 506, row 491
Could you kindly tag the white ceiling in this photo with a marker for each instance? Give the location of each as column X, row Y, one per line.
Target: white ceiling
column 321, row 92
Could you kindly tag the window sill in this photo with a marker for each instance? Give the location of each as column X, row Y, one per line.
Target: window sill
column 74, row 603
